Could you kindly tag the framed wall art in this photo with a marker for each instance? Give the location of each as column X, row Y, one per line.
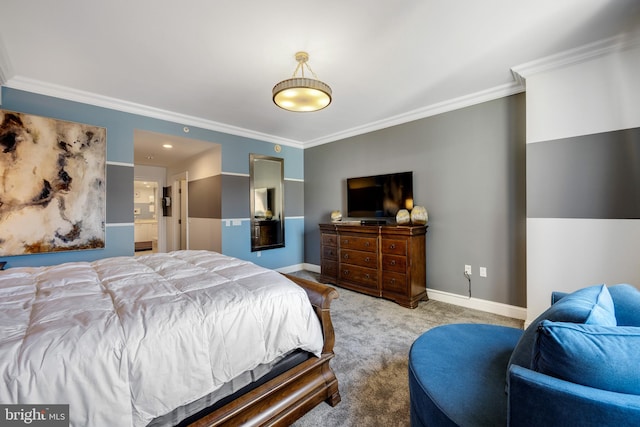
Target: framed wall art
column 52, row 185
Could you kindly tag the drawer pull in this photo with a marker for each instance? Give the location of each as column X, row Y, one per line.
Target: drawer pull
column 366, row 244
column 367, row 259
column 393, row 281
column 366, row 276
column 346, row 241
column 392, row 246
column 345, row 272
column 393, row 262
column 345, row 256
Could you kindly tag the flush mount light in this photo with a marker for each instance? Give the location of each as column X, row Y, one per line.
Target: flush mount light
column 167, row 146
column 302, row 94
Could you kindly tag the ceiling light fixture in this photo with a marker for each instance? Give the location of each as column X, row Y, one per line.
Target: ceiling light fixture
column 302, row 94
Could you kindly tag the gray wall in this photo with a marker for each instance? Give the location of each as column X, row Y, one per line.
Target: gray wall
column 119, row 194
column 586, row 176
column 469, row 172
column 205, row 197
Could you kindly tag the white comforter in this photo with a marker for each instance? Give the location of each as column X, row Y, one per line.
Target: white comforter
column 123, row 340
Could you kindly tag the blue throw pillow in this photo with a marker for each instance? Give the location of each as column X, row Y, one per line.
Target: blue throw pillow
column 591, row 305
column 603, row 357
column 626, row 299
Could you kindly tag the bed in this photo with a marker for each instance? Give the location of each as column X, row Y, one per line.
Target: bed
column 182, row 338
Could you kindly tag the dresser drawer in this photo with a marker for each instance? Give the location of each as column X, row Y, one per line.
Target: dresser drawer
column 329, row 268
column 329, row 240
column 329, row 252
column 394, row 282
column 360, row 276
column 396, row 247
column 395, row 263
column 363, row 259
column 368, row 244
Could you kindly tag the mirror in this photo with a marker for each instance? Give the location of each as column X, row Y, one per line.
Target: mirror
column 266, row 188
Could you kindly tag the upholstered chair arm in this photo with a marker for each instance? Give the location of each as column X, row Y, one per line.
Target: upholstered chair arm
column 536, row 399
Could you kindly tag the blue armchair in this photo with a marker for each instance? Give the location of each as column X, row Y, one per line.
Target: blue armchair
column 577, row 364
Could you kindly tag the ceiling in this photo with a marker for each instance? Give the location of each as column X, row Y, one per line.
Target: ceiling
column 150, row 148
column 213, row 64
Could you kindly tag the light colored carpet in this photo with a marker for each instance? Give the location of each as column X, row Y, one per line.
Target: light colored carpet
column 373, row 337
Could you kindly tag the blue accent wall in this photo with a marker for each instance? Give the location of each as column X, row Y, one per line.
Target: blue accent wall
column 236, row 242
column 120, row 133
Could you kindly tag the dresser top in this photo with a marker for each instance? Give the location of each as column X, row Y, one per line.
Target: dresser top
column 375, row 229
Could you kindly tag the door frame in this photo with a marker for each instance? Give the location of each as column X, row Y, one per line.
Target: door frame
column 181, row 207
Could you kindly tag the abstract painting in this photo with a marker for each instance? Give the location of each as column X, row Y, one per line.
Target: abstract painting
column 52, row 185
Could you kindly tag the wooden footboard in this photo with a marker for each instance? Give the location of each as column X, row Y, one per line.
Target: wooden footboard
column 292, row 394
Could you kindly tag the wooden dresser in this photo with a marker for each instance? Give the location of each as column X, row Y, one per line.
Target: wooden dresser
column 385, row 261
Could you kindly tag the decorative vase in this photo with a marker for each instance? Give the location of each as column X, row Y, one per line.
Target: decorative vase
column 336, row 216
column 403, row 217
column 419, row 215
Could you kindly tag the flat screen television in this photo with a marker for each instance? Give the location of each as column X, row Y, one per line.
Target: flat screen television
column 379, row 196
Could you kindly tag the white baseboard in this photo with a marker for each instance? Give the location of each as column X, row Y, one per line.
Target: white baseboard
column 291, row 268
column 312, row 267
column 436, row 295
column 478, row 304
column 297, row 267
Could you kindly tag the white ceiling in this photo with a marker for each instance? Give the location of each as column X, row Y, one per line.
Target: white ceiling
column 149, row 148
column 213, row 63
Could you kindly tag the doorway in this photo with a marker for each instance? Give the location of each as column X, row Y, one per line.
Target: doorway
column 145, row 214
column 168, row 159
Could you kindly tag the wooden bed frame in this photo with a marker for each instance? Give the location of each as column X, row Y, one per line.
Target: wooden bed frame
column 292, row 394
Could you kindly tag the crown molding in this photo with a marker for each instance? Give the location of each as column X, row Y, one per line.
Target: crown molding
column 70, row 94
column 421, row 113
column 574, row 56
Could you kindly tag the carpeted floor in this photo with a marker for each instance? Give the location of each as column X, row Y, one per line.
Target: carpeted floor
column 373, row 337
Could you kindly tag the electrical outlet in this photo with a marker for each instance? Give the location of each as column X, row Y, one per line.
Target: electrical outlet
column 467, row 269
column 483, row 271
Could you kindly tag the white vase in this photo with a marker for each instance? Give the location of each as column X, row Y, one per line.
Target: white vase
column 403, row 217
column 419, row 215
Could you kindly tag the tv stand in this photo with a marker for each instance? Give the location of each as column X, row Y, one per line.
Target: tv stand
column 373, row 222
column 387, row 261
